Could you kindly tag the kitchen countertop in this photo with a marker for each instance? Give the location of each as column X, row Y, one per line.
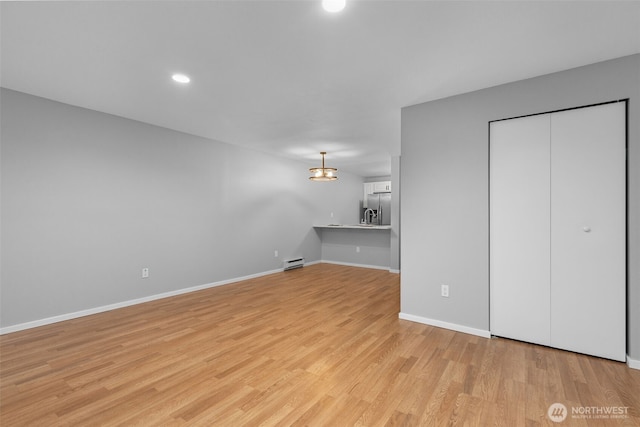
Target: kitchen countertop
column 355, row 226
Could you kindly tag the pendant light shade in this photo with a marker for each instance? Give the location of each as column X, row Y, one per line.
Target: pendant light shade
column 323, row 173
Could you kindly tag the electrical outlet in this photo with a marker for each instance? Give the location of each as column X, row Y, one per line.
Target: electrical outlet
column 444, row 291
column 331, row 214
column 275, row 253
column 358, row 249
column 145, row 273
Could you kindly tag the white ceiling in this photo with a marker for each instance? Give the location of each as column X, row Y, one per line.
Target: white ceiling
column 289, row 78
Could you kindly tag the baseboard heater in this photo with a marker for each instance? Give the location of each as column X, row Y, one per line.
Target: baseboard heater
column 293, row 263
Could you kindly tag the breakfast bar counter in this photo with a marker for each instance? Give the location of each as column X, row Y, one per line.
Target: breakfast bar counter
column 358, row 244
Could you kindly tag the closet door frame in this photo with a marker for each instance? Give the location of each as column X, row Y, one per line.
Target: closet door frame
column 620, row 352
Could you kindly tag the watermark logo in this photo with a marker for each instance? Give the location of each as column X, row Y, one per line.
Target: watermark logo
column 557, row 412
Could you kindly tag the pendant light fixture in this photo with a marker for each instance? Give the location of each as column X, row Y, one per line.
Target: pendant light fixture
column 323, row 173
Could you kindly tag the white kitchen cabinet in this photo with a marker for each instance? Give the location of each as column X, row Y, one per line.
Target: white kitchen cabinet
column 368, row 189
column 382, row 187
column 376, row 187
column 557, row 229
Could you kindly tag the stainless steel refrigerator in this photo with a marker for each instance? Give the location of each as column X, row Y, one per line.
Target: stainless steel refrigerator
column 377, row 209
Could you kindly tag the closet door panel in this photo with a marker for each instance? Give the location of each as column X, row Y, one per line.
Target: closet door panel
column 519, row 229
column 588, row 254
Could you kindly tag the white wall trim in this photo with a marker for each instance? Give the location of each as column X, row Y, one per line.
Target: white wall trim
column 350, row 264
column 394, row 271
column 633, row 363
column 446, row 325
column 96, row 310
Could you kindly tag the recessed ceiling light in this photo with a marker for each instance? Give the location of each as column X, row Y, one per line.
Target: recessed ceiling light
column 181, row 78
column 333, row 5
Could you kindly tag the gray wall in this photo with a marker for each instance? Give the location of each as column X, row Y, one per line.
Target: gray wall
column 89, row 199
column 445, row 188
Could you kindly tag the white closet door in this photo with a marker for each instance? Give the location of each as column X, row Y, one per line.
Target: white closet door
column 588, row 252
column 520, row 229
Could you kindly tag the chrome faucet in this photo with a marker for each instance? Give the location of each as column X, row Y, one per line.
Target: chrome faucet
column 369, row 215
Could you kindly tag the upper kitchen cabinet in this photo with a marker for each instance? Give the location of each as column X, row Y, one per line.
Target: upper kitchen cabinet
column 382, row 187
column 376, row 187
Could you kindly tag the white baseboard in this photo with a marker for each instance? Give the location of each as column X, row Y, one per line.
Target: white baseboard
column 445, row 325
column 394, row 271
column 350, row 264
column 96, row 310
column 633, row 363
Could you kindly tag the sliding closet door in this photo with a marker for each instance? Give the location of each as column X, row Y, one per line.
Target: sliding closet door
column 520, row 228
column 588, row 230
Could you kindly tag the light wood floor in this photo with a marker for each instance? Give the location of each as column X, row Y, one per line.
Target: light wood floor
column 321, row 345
